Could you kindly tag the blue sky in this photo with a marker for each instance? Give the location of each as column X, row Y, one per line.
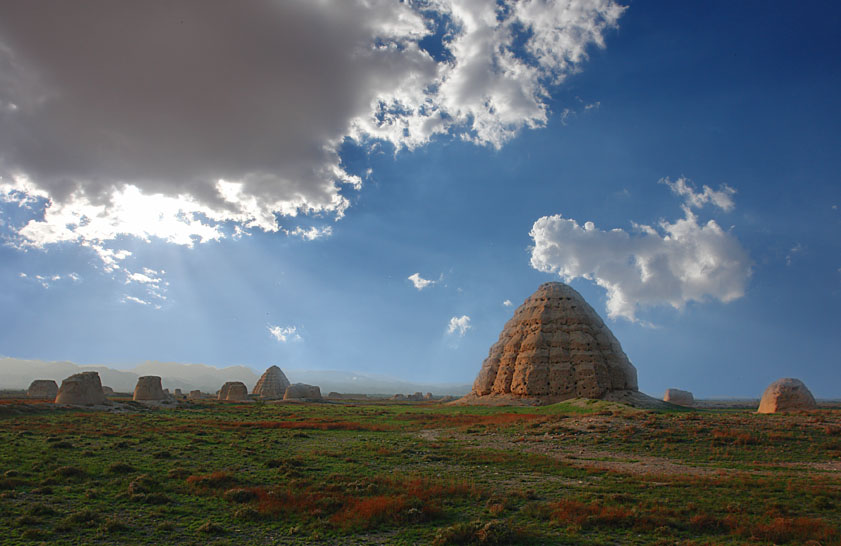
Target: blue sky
column 690, row 113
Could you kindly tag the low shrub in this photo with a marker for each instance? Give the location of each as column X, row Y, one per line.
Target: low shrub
column 216, row 480
column 141, row 484
column 210, row 528
column 240, row 494
column 783, row 530
column 494, row 532
column 69, row 472
column 120, row 468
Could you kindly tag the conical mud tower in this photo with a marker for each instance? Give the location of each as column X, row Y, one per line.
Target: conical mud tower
column 272, row 384
column 555, row 347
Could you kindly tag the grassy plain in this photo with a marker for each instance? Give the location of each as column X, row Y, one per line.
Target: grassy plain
column 581, row 472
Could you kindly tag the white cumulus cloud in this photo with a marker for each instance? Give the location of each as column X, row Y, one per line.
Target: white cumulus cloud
column 721, row 198
column 284, row 334
column 419, row 282
column 47, row 281
column 459, row 325
column 133, row 299
column 670, row 264
column 151, row 282
column 230, row 116
column 507, row 303
column 312, row 233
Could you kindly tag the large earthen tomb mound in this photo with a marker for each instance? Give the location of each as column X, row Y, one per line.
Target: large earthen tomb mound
column 554, row 348
column 272, row 384
column 45, row 389
column 233, row 390
column 786, row 394
column 149, row 388
column 81, row 389
column 302, row 391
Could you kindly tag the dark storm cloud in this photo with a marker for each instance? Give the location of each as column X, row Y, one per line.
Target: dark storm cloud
column 172, row 96
column 115, row 107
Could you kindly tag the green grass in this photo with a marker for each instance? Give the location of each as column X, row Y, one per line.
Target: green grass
column 396, row 473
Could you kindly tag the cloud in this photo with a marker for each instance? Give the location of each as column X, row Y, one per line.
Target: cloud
column 312, row 233
column 284, row 334
column 194, row 121
column 794, row 251
column 141, row 278
column 419, row 282
column 672, row 264
column 47, row 281
column 127, row 298
column 722, row 198
column 459, row 325
column 151, row 282
column 507, row 303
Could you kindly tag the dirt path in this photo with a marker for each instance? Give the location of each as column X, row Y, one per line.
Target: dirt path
column 580, row 457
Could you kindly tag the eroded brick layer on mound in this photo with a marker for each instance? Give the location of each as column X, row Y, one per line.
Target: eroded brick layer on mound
column 555, row 345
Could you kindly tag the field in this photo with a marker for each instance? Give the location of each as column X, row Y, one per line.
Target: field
column 580, row 472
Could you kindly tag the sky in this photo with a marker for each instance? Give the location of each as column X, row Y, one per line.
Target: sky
column 376, row 186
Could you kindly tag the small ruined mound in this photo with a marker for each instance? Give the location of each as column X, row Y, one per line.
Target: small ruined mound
column 347, row 396
column 81, row 389
column 233, row 390
column 398, row 396
column 786, row 394
column 554, row 348
column 679, row 397
column 43, row 389
column 302, row 391
column 107, row 391
column 195, row 395
column 272, row 384
column 149, row 389
column 417, row 397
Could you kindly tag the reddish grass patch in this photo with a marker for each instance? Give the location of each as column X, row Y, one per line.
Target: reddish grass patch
column 287, row 501
column 573, row 512
column 733, row 436
column 781, row 530
column 704, row 522
column 464, row 419
column 305, row 424
column 366, row 513
column 216, row 480
column 353, row 505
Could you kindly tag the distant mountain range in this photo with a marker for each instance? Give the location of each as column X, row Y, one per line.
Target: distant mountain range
column 16, row 373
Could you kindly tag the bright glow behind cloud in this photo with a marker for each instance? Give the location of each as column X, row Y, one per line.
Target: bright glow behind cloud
column 672, row 264
column 250, row 134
